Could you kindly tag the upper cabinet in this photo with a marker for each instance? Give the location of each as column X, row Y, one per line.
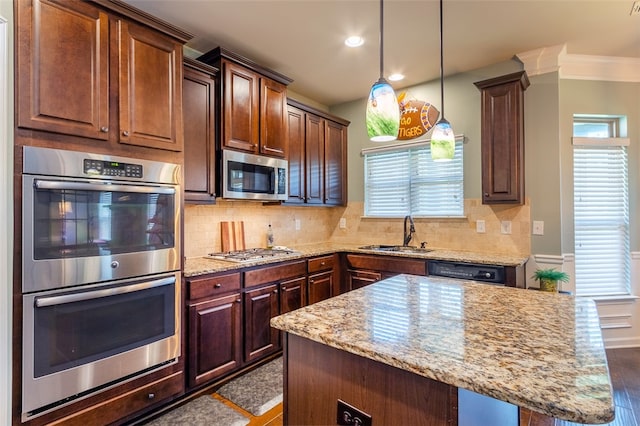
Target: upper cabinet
column 98, row 70
column 317, row 156
column 253, row 105
column 198, row 101
column 502, row 120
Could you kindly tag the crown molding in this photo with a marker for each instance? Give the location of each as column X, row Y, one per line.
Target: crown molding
column 580, row 67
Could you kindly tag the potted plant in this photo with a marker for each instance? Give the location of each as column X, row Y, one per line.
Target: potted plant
column 549, row 278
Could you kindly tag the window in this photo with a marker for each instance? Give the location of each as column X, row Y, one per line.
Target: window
column 404, row 180
column 601, row 208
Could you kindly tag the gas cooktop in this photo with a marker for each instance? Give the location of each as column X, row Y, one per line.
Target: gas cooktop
column 253, row 254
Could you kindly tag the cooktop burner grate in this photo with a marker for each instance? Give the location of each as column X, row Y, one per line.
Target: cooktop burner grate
column 249, row 255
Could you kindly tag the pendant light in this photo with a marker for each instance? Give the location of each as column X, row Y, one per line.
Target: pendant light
column 443, row 141
column 383, row 112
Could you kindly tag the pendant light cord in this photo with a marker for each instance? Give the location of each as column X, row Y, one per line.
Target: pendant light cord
column 441, row 65
column 381, row 39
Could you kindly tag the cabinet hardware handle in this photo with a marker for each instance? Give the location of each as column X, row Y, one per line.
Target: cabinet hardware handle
column 218, row 285
column 284, row 287
column 311, row 281
column 238, row 300
column 321, row 263
column 151, row 396
column 275, row 291
column 125, row 133
column 104, row 129
column 486, row 194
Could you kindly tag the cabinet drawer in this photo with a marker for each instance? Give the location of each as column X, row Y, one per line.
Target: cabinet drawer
column 393, row 264
column 213, row 286
column 137, row 400
column 275, row 273
column 318, row 264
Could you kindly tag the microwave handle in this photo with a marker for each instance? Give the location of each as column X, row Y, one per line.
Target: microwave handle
column 77, row 297
column 87, row 186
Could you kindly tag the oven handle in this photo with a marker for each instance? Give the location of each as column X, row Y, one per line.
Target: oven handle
column 87, row 186
column 69, row 298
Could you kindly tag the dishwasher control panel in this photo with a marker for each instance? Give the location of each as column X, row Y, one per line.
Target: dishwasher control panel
column 492, row 274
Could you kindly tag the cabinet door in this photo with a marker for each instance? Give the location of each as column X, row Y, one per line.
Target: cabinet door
column 273, row 118
column 314, row 159
column 296, row 149
column 241, row 108
column 359, row 278
column 150, row 88
column 503, row 138
column 63, row 68
column 260, row 339
column 214, row 338
column 292, row 294
column 335, row 178
column 320, row 287
column 198, row 97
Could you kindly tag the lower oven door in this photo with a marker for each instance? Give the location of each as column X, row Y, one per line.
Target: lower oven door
column 76, row 342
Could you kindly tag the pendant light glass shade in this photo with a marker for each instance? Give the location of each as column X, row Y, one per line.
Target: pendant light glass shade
column 383, row 112
column 443, row 141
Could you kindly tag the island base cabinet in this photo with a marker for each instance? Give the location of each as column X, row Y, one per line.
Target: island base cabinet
column 317, row 376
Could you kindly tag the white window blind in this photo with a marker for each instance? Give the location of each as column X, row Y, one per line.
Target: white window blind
column 601, row 217
column 406, row 181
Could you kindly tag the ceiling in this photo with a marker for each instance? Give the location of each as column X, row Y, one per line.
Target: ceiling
column 304, row 39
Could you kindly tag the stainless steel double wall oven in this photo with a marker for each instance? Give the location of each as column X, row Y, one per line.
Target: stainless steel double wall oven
column 100, row 273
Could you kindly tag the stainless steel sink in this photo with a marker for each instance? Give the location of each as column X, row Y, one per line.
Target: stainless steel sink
column 390, row 248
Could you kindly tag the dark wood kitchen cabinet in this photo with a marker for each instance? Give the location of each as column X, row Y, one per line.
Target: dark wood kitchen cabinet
column 270, row 291
column 214, row 327
column 322, row 279
column 252, row 104
column 99, row 71
column 317, row 156
column 363, row 269
column 198, row 104
column 502, row 118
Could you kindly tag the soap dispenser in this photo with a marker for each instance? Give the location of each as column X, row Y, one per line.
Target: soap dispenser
column 269, row 237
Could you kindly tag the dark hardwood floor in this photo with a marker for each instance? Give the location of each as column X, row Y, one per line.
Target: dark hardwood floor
column 624, row 369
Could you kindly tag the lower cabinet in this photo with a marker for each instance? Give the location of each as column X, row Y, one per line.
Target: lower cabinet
column 320, row 286
column 363, row 269
column 260, row 305
column 362, row 278
column 215, row 344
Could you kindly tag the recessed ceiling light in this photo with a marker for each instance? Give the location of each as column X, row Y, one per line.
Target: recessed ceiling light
column 354, row 41
column 396, row 77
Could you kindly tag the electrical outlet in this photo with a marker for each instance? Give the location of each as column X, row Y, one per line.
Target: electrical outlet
column 505, row 227
column 348, row 415
column 297, row 222
column 480, row 227
column 343, row 223
column 538, row 227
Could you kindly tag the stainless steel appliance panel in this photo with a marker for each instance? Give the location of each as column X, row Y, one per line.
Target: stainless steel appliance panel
column 254, row 177
column 76, row 341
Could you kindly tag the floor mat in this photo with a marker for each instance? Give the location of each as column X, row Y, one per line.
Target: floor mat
column 202, row 411
column 257, row 391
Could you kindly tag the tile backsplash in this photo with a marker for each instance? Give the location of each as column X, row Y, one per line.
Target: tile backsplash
column 318, row 224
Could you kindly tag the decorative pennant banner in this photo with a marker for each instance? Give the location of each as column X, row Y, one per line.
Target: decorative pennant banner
column 416, row 117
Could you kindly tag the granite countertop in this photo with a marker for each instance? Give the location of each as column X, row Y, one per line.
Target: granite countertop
column 542, row 351
column 202, row 265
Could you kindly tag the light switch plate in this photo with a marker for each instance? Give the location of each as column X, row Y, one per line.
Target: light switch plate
column 343, row 223
column 505, row 227
column 480, row 227
column 297, row 224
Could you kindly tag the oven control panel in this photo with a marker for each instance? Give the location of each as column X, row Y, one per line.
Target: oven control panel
column 112, row 168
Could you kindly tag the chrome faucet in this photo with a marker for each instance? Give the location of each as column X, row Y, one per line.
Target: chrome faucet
column 412, row 230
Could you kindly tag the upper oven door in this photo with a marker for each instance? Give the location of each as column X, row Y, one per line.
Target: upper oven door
column 79, row 231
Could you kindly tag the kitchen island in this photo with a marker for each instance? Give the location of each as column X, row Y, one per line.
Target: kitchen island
column 401, row 349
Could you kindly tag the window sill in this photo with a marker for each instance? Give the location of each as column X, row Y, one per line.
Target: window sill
column 414, row 217
column 616, row 298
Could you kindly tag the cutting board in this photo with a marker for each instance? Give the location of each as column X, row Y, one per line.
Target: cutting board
column 232, row 235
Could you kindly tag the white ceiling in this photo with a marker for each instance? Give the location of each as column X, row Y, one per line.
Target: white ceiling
column 303, row 39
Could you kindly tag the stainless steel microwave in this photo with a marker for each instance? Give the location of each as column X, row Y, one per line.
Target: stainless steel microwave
column 254, row 177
